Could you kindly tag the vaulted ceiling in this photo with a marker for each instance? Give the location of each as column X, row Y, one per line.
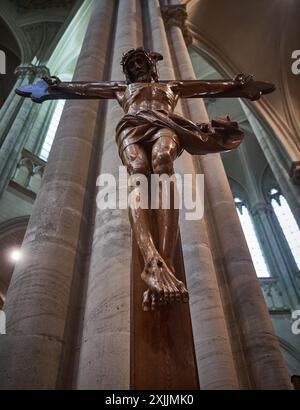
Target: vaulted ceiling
column 256, row 37
column 37, row 23
column 42, row 4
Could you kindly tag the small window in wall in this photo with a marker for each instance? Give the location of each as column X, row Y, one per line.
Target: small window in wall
column 44, row 154
column 256, row 252
column 287, row 222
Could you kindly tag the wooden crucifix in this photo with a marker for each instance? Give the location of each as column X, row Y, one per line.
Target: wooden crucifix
column 150, row 136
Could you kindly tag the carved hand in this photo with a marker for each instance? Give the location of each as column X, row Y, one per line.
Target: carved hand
column 222, row 128
column 226, row 128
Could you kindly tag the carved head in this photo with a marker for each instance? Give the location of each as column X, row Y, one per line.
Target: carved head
column 140, row 66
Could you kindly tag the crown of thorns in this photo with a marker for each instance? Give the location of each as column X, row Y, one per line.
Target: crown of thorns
column 150, row 56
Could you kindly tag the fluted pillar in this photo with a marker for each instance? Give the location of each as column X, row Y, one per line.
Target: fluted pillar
column 105, row 352
column 37, row 304
column 159, row 40
column 214, row 356
column 10, row 106
column 26, row 73
column 265, row 364
column 14, row 123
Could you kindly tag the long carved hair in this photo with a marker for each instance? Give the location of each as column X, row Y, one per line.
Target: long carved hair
column 151, row 58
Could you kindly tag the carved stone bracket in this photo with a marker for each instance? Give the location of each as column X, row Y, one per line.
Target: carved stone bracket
column 295, row 172
column 261, row 208
column 176, row 15
column 29, row 173
column 31, row 71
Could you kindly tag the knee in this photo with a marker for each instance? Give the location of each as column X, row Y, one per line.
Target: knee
column 138, row 167
column 162, row 162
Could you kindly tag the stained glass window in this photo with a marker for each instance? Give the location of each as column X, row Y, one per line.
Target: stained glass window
column 287, row 222
column 256, row 252
column 45, row 151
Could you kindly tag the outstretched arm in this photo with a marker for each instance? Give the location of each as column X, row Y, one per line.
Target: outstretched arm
column 54, row 89
column 242, row 86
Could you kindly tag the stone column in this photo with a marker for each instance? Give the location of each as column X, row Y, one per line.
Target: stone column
column 10, row 105
column 37, row 303
column 26, row 73
column 14, row 123
column 265, row 364
column 159, row 40
column 214, row 356
column 105, row 351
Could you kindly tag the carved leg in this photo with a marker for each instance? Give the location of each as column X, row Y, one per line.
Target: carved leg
column 164, row 152
column 162, row 285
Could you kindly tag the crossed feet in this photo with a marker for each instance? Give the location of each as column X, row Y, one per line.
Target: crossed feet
column 163, row 287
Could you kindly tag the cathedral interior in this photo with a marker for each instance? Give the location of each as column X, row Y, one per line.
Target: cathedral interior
column 65, row 265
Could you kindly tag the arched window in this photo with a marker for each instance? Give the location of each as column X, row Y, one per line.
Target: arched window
column 256, row 252
column 287, row 222
column 44, row 153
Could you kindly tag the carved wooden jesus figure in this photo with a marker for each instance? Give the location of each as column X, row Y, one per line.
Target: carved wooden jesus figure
column 150, row 137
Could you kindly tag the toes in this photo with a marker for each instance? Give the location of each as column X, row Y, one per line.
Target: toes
column 184, row 294
column 154, row 304
column 146, row 301
column 172, row 296
column 178, row 296
column 173, row 292
column 185, row 297
column 166, row 295
column 161, row 301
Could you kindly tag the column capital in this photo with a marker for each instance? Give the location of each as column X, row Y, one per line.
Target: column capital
column 261, row 208
column 176, row 15
column 31, row 71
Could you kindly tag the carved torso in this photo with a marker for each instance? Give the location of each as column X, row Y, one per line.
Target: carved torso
column 148, row 96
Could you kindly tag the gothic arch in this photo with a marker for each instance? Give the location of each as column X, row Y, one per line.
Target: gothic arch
column 11, row 55
column 238, row 189
column 9, row 16
column 267, row 182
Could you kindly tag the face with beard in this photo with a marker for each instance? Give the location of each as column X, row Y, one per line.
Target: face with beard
column 138, row 69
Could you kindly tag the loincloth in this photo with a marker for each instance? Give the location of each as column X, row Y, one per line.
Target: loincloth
column 143, row 126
